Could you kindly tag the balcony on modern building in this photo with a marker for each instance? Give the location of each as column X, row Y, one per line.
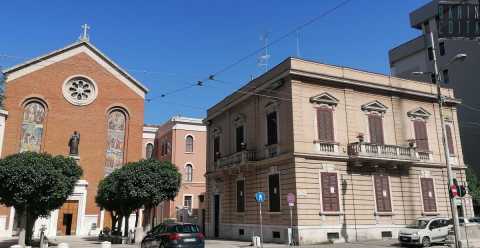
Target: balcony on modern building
column 380, row 153
column 236, row 159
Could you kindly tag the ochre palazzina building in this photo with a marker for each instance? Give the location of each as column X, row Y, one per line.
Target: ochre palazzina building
column 362, row 153
column 76, row 88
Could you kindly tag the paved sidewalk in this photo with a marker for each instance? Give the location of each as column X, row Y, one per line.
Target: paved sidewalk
column 92, row 242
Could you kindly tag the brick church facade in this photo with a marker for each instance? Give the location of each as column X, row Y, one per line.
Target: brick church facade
column 76, row 88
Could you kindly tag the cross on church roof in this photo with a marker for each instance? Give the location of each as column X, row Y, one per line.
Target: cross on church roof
column 84, row 36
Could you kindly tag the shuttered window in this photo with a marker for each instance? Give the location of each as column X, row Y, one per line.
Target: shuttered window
column 421, row 137
column 375, row 125
column 241, row 196
column 325, row 124
column 382, row 194
column 274, row 192
column 272, row 137
column 451, row 148
column 330, row 192
column 428, row 194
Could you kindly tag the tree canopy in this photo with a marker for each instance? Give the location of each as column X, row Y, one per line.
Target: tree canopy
column 143, row 183
column 473, row 188
column 37, row 183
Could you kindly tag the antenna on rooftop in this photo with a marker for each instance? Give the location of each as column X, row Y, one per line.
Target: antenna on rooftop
column 263, row 59
column 298, row 43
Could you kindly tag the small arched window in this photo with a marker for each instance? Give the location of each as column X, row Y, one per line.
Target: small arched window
column 189, row 172
column 149, row 151
column 189, row 143
column 32, row 127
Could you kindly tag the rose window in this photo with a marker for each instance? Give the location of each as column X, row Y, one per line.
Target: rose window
column 79, row 91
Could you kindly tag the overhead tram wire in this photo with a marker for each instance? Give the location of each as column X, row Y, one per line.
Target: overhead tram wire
column 92, row 69
column 228, row 67
column 286, row 35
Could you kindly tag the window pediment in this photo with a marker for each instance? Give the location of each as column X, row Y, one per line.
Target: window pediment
column 374, row 106
column 324, row 98
column 419, row 113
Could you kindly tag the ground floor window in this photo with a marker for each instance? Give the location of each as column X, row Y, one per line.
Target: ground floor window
column 428, row 195
column 329, row 184
column 187, row 202
column 241, row 196
column 382, row 193
column 274, row 192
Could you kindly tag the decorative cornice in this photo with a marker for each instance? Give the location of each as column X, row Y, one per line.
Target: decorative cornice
column 324, row 98
column 374, row 106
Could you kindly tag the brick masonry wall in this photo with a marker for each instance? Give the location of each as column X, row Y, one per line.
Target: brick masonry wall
column 63, row 118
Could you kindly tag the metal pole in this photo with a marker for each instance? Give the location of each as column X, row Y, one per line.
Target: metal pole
column 261, row 226
column 445, row 146
column 291, row 227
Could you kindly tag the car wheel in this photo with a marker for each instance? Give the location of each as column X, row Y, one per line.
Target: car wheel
column 426, row 242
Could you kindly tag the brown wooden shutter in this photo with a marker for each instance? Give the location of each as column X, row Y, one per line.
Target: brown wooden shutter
column 428, row 193
column 375, row 124
column 382, row 194
column 451, row 148
column 330, row 192
column 421, row 136
column 325, row 124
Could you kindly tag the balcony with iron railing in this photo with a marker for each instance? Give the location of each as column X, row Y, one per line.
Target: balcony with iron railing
column 236, row 159
column 380, row 152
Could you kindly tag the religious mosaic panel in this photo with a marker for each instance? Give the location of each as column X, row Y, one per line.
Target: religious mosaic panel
column 115, row 141
column 32, row 127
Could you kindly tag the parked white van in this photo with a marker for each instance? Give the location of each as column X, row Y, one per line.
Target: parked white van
column 425, row 231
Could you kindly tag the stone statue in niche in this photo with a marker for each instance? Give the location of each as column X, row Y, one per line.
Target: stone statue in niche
column 73, row 143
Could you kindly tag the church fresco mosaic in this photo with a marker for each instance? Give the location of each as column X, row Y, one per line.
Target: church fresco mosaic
column 115, row 141
column 32, row 127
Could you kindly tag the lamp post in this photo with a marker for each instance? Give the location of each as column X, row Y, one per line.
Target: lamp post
column 458, row 57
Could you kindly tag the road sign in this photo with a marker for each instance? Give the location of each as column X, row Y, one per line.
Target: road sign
column 291, row 199
column 260, row 197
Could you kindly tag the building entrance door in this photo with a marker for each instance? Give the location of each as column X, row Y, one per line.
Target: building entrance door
column 216, row 215
column 67, row 218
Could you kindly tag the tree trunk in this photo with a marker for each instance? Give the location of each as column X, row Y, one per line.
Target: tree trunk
column 114, row 221
column 127, row 217
column 154, row 218
column 137, row 215
column 23, row 227
column 119, row 223
column 30, row 225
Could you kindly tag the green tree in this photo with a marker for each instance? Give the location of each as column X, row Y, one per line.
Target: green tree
column 137, row 184
column 36, row 184
column 473, row 188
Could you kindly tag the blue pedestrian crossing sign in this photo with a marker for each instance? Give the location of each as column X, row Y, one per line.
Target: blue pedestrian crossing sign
column 260, row 196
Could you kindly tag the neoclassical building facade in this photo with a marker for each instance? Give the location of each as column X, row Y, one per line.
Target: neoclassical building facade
column 76, row 88
column 361, row 152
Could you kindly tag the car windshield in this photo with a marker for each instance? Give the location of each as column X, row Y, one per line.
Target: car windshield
column 419, row 224
column 184, row 229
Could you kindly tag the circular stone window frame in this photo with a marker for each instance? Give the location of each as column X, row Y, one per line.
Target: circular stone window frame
column 69, row 98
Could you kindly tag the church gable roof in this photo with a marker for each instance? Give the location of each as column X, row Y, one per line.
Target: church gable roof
column 69, row 51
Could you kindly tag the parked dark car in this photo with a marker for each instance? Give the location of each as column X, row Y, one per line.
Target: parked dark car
column 174, row 235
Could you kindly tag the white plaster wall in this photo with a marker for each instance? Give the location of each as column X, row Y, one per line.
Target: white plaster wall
column 3, row 225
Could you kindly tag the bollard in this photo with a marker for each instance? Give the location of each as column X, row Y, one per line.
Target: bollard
column 63, row 245
column 106, row 244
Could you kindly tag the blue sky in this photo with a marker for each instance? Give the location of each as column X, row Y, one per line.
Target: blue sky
column 179, row 42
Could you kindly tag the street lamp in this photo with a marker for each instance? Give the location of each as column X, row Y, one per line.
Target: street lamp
column 457, row 58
